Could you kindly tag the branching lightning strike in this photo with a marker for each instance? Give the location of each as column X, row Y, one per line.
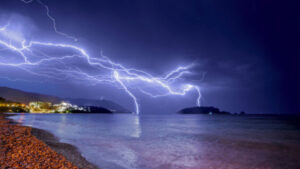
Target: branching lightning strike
column 114, row 73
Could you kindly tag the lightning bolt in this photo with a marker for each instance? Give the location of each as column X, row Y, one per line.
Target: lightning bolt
column 34, row 59
column 117, row 77
column 52, row 19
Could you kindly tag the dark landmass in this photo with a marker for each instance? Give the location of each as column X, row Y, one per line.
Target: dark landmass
column 12, row 109
column 213, row 110
column 203, row 110
column 15, row 95
column 9, row 106
column 16, row 109
column 113, row 107
column 93, row 109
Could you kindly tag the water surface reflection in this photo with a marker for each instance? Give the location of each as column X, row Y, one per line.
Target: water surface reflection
column 175, row 141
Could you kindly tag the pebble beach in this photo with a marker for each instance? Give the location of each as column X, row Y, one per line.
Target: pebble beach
column 20, row 148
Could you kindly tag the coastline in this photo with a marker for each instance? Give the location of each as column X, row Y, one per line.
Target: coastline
column 49, row 151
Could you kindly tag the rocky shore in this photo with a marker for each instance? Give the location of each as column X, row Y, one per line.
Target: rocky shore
column 26, row 147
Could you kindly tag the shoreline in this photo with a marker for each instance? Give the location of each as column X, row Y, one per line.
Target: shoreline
column 62, row 154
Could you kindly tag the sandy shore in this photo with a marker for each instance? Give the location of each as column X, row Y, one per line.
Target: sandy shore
column 26, row 147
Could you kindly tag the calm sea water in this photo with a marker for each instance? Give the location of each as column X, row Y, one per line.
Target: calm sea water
column 176, row 141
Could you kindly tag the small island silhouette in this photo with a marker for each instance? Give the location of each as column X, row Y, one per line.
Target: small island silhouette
column 206, row 110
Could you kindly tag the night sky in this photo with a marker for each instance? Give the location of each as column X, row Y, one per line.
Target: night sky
column 245, row 51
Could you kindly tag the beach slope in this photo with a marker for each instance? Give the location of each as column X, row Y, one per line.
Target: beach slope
column 22, row 147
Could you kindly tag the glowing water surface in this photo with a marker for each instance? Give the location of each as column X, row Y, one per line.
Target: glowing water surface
column 175, row 141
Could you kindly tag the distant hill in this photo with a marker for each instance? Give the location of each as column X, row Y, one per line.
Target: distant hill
column 26, row 97
column 99, row 103
column 202, row 110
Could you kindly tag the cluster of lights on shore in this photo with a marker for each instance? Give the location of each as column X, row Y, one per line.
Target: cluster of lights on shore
column 116, row 73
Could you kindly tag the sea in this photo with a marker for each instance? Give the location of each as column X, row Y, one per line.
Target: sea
column 176, row 141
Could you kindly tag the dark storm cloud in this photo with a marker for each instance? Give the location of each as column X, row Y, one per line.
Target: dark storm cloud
column 247, row 49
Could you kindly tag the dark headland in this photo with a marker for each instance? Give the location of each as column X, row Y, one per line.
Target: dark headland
column 205, row 110
column 24, row 97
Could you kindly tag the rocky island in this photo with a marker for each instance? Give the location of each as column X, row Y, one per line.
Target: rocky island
column 202, row 110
